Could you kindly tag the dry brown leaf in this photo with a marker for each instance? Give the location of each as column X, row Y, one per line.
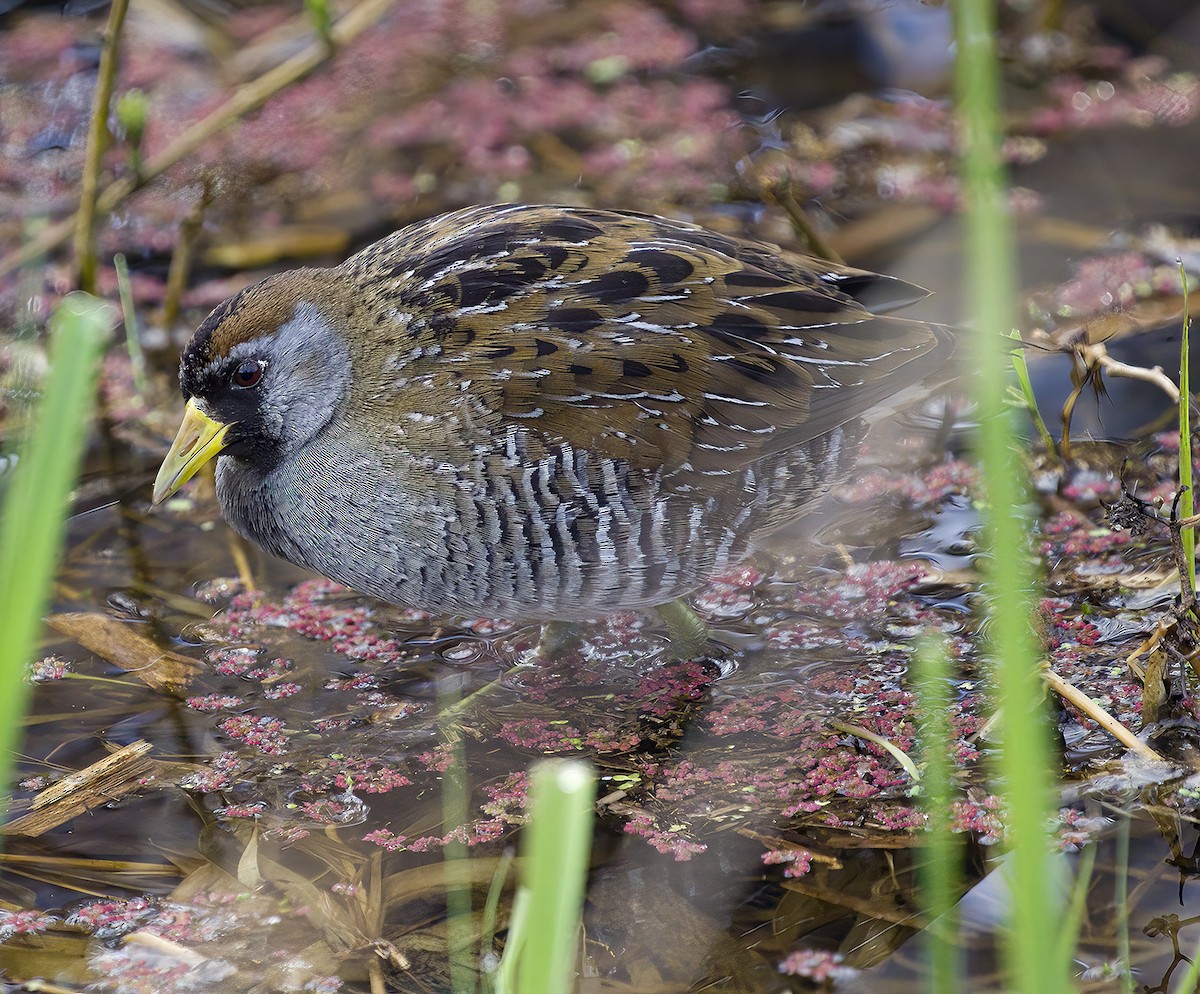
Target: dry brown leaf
column 123, row 645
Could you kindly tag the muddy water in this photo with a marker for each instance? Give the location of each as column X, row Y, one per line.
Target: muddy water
column 341, row 742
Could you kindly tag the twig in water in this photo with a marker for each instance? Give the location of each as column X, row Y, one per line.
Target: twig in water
column 97, row 142
column 181, row 258
column 1079, row 700
column 894, row 750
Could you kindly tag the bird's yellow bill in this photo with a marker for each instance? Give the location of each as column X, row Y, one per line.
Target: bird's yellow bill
column 198, row 440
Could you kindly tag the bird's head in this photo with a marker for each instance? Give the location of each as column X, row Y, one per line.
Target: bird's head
column 263, row 374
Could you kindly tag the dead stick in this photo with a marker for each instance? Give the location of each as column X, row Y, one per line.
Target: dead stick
column 1154, row 375
column 97, row 142
column 1079, row 700
column 891, row 748
column 375, row 977
column 245, row 99
column 181, row 258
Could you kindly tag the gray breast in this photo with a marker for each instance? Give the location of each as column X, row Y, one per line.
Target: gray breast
column 568, row 536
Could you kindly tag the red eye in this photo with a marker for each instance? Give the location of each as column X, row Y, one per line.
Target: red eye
column 247, row 374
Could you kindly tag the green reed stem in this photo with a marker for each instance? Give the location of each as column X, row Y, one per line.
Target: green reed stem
column 491, row 909
column 133, row 343
column 544, row 931
column 1076, row 907
column 939, row 876
column 1121, row 903
column 1026, row 762
column 34, row 514
column 460, row 936
column 322, row 20
column 1025, row 385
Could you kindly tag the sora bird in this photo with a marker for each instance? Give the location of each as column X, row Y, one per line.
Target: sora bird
column 543, row 413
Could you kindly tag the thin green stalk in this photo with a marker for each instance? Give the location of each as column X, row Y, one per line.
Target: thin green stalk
column 1028, row 398
column 487, row 926
column 1187, row 504
column 459, row 934
column 543, row 933
column 322, row 20
column 1026, row 760
column 940, row 883
column 505, row 981
column 1121, row 902
column 133, row 343
column 35, row 507
column 1068, row 938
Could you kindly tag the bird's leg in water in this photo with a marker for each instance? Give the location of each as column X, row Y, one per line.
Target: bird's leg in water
column 558, row 637
column 686, row 629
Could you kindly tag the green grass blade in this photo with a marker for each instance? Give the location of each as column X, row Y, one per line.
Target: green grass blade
column 1026, row 763
column 460, row 935
column 1121, row 903
column 456, row 802
column 939, row 877
column 505, row 979
column 1021, row 368
column 133, row 343
column 1076, row 906
column 35, row 507
column 557, row 846
column 487, row 927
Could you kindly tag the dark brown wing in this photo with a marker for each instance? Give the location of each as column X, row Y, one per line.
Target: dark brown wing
column 671, row 345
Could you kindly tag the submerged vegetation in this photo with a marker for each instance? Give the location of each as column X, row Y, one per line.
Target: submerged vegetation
column 332, row 786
